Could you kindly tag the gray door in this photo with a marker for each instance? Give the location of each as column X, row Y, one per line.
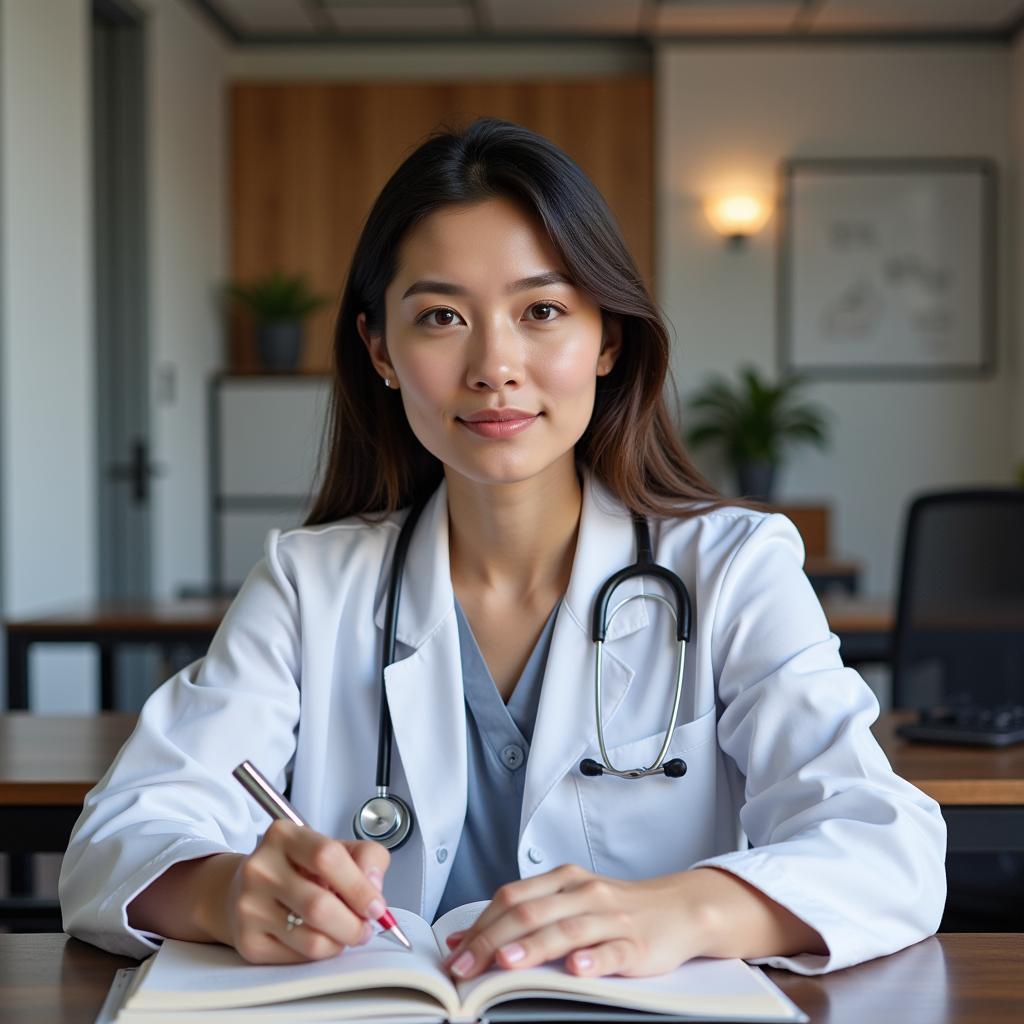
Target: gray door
column 122, row 345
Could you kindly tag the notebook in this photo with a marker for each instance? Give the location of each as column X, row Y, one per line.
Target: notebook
column 188, row 982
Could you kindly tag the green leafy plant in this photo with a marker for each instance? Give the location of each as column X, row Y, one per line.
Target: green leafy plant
column 277, row 297
column 755, row 421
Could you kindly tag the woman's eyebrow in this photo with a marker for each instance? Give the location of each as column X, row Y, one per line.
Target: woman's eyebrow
column 446, row 288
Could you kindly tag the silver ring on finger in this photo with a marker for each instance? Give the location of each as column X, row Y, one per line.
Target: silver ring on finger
column 292, row 921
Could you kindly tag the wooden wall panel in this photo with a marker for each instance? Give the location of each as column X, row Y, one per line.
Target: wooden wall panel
column 307, row 160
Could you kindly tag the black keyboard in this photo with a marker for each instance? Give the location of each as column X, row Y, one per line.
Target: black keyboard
column 997, row 726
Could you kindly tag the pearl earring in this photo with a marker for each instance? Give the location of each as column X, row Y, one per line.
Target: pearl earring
column 387, row 382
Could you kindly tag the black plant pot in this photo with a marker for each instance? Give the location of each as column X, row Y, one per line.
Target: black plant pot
column 756, row 479
column 279, row 343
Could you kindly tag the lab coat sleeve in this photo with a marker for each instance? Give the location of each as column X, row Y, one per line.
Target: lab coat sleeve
column 837, row 838
column 169, row 795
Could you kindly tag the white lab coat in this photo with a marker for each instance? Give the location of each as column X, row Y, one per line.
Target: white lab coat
column 773, row 729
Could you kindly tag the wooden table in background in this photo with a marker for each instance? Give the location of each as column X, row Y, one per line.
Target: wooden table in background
column 864, row 626
column 945, row 979
column 109, row 626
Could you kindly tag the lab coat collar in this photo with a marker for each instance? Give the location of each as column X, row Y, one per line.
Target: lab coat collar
column 424, row 689
column 605, row 543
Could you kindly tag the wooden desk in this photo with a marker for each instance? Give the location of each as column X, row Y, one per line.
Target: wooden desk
column 49, row 762
column 109, row 626
column 828, row 574
column 981, row 790
column 864, row 626
column 976, row 978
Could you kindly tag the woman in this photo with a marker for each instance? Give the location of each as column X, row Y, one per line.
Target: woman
column 498, row 358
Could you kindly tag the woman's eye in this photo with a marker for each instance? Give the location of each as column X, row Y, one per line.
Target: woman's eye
column 443, row 312
column 549, row 308
column 544, row 312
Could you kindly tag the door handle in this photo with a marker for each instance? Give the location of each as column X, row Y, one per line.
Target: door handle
column 138, row 470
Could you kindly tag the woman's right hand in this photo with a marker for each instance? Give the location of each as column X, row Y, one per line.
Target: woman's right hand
column 334, row 885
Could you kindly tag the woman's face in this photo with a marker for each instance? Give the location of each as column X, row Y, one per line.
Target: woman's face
column 481, row 318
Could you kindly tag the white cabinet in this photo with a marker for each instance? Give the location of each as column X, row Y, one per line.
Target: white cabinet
column 265, row 446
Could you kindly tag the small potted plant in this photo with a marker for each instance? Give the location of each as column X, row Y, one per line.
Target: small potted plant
column 755, row 421
column 280, row 305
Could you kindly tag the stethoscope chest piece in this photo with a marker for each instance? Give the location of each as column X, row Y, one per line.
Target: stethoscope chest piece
column 384, row 819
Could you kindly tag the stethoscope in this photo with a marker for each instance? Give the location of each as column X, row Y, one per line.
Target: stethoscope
column 388, row 820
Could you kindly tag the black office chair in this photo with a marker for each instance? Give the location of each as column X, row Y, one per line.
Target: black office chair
column 959, row 641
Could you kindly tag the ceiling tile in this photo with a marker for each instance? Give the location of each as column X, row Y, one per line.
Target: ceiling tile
column 732, row 16
column 918, row 15
column 402, row 18
column 581, row 16
column 266, row 15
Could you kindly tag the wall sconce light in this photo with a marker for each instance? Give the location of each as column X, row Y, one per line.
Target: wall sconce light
column 737, row 216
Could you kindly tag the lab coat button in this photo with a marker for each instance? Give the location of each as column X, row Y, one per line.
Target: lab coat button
column 535, row 854
column 442, row 854
column 512, row 756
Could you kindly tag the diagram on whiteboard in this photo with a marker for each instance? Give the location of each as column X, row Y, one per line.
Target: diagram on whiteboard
column 886, row 271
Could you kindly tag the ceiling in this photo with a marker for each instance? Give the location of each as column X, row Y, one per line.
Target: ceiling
column 263, row 22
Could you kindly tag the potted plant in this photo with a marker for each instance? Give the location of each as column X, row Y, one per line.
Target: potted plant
column 279, row 304
column 755, row 421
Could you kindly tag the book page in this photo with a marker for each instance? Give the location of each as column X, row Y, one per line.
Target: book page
column 456, row 920
column 202, row 976
column 703, row 987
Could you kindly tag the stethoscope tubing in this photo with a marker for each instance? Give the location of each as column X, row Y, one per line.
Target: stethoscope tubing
column 385, row 804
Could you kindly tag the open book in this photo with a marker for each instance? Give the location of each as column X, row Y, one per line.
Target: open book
column 183, row 982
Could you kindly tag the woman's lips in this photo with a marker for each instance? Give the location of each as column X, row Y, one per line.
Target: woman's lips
column 499, row 428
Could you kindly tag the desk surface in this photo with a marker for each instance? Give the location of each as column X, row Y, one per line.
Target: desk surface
column 946, row 978
column 124, row 618
column 847, row 614
column 48, row 760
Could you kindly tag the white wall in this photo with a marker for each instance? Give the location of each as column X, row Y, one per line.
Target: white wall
column 47, row 401
column 729, row 113
column 47, row 347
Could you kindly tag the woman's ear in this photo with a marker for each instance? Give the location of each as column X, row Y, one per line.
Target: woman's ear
column 378, row 351
column 611, row 343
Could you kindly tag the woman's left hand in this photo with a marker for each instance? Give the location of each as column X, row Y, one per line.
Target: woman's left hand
column 601, row 925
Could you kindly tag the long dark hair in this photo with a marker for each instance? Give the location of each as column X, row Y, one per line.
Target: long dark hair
column 373, row 462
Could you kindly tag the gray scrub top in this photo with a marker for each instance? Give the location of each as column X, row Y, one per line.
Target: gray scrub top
column 498, row 739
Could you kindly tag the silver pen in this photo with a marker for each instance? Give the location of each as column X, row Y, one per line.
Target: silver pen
column 278, row 807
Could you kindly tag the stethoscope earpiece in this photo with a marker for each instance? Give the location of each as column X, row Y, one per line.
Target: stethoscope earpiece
column 674, row 769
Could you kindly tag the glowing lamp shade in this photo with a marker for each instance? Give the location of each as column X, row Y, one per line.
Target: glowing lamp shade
column 736, row 217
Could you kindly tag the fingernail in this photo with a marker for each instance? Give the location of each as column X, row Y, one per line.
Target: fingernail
column 367, row 934
column 583, row 961
column 513, row 952
column 376, row 909
column 375, row 876
column 464, row 964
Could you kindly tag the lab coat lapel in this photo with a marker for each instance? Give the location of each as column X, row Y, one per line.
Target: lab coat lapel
column 425, row 696
column 566, row 723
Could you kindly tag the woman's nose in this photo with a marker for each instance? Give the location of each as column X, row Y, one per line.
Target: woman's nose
column 494, row 357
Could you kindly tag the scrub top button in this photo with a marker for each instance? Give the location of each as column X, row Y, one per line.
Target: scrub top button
column 442, row 854
column 512, row 756
column 535, row 854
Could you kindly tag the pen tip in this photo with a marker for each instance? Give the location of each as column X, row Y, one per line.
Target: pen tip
column 400, row 935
